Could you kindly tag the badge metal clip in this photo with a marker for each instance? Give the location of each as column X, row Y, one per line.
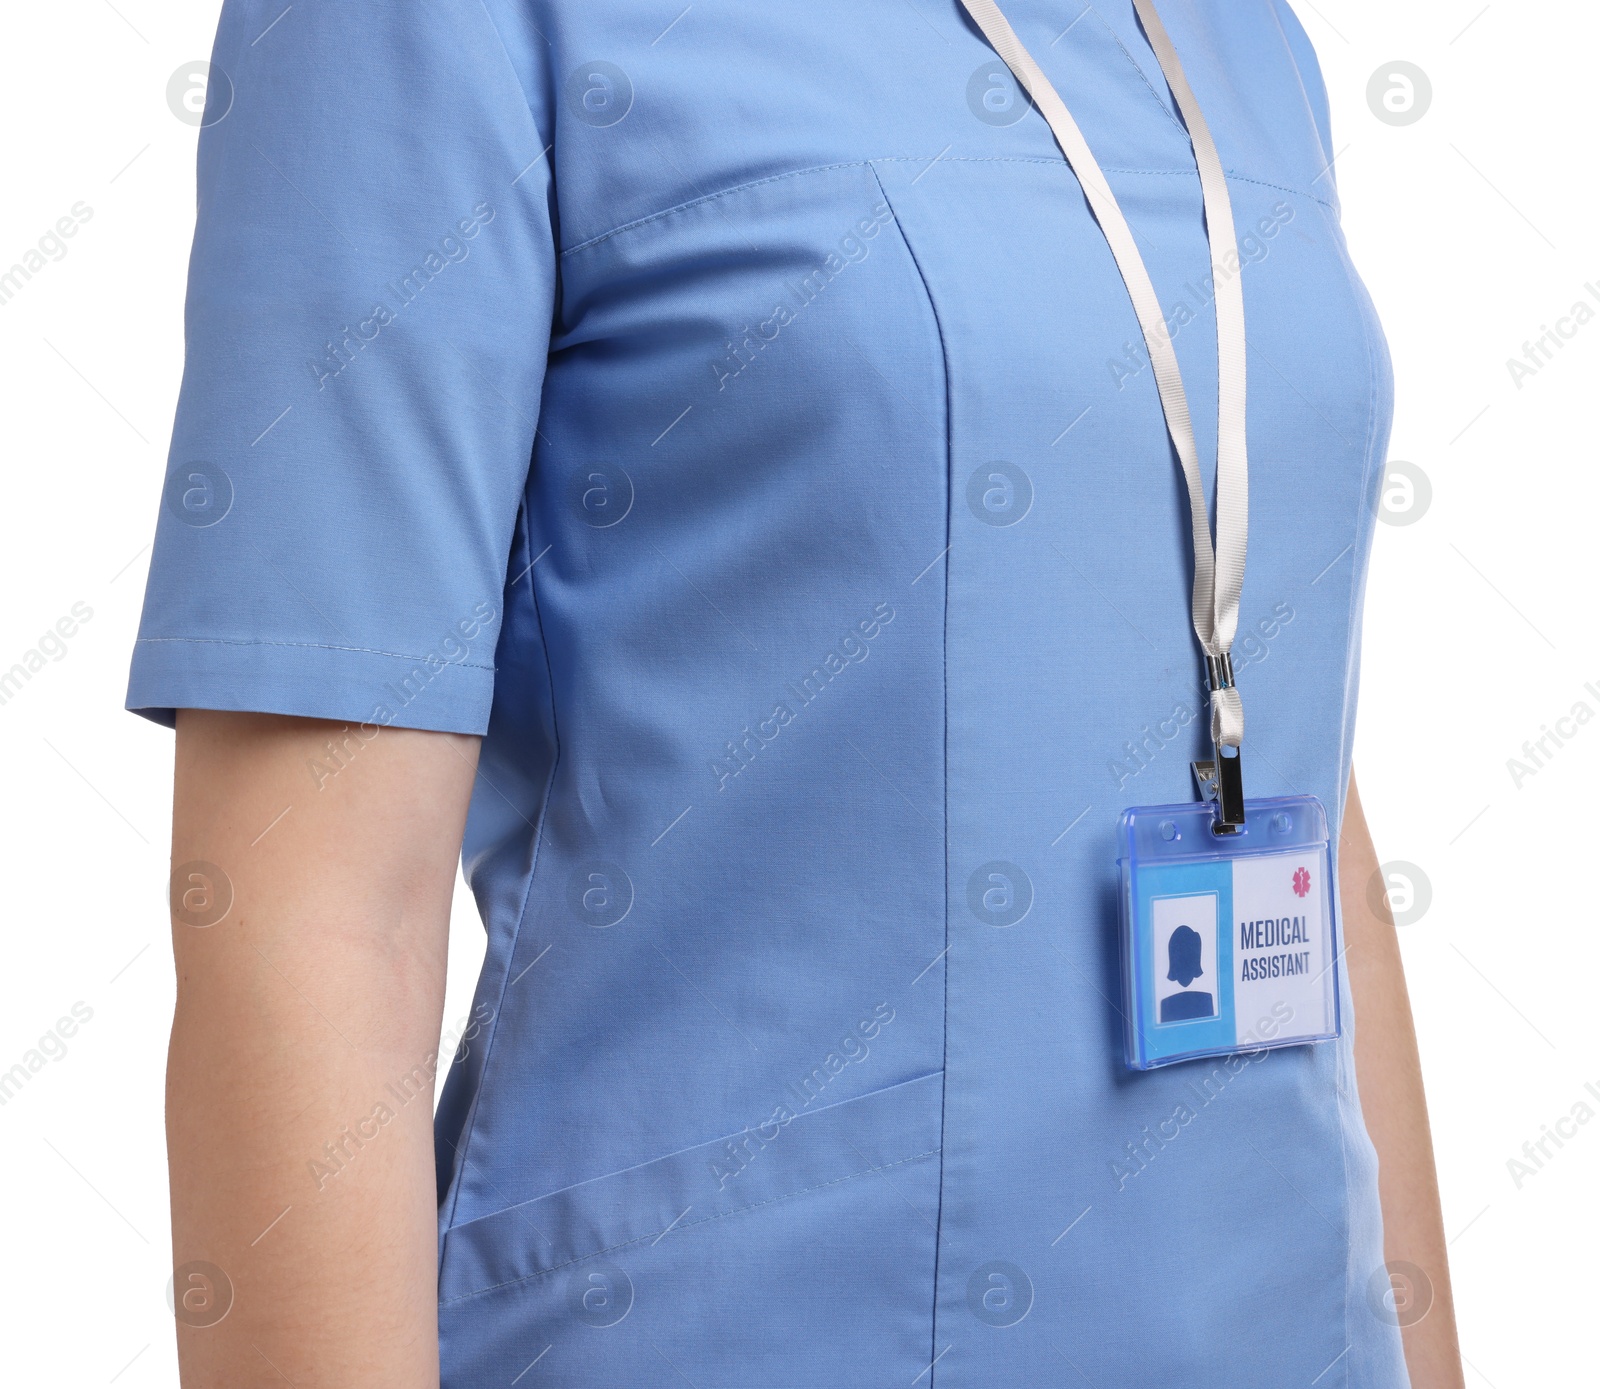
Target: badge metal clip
column 1221, row 780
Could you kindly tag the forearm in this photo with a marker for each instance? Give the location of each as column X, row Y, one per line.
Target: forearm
column 300, row 1075
column 1389, row 1077
column 331, row 1275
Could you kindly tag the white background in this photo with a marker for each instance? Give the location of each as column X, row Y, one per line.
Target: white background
column 1473, row 226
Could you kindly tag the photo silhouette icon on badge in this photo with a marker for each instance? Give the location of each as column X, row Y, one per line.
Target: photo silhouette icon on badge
column 1183, row 967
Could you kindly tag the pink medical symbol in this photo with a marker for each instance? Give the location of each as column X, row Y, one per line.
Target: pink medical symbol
column 1302, row 882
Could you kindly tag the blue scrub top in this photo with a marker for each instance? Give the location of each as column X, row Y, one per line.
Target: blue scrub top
column 740, row 420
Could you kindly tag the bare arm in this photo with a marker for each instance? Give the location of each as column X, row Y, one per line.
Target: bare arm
column 1389, row 1076
column 299, row 1080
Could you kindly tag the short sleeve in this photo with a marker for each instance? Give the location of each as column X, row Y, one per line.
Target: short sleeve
column 367, row 323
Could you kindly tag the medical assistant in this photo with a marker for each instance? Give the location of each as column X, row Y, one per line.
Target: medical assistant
column 739, row 419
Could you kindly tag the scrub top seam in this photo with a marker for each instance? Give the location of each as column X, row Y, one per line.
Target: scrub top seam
column 1363, row 523
column 306, row 646
column 689, row 1225
column 687, row 1148
column 1144, row 77
column 1344, row 1089
column 633, row 225
column 469, row 1127
column 500, row 43
column 1300, row 77
column 944, row 973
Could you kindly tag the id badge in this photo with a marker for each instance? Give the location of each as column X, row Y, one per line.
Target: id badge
column 1227, row 940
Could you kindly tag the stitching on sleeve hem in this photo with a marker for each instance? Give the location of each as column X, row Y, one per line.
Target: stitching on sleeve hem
column 307, row 646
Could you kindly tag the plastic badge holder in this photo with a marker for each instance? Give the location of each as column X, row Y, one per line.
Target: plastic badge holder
column 1227, row 939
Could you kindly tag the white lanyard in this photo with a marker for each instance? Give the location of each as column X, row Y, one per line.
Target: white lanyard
column 1219, row 571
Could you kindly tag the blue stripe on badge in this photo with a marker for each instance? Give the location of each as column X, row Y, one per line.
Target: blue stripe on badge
column 1183, row 924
